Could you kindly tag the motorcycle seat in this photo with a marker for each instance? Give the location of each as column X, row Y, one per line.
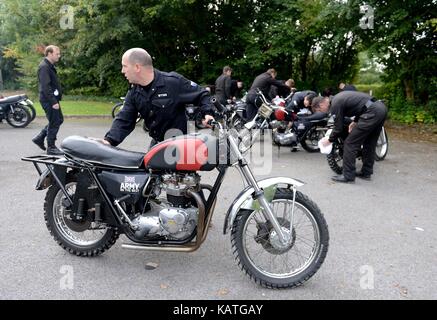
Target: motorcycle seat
column 96, row 152
column 13, row 99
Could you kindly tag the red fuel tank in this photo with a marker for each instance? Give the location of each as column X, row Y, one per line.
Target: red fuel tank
column 193, row 152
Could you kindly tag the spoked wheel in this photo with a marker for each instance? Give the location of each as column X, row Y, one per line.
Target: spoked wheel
column 264, row 258
column 311, row 139
column 31, row 110
column 335, row 158
column 381, row 146
column 82, row 238
column 18, row 117
column 116, row 109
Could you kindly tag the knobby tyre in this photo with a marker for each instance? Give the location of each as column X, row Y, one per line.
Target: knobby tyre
column 88, row 238
column 335, row 158
column 270, row 265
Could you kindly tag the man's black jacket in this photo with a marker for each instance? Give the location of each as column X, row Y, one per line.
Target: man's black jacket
column 297, row 101
column 263, row 82
column 347, row 104
column 161, row 105
column 223, row 86
column 49, row 87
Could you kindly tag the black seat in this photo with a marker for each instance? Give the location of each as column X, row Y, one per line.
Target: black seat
column 13, row 99
column 96, row 152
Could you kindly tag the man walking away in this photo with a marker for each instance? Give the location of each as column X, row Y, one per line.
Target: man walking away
column 50, row 94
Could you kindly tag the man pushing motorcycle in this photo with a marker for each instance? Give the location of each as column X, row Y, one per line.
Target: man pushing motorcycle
column 159, row 97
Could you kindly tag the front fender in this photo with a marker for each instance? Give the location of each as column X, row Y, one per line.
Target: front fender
column 245, row 201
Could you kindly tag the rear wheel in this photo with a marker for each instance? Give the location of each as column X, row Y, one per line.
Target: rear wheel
column 264, row 258
column 18, row 117
column 85, row 238
column 381, row 146
column 311, row 139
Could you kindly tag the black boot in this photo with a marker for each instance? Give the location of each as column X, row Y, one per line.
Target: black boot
column 52, row 150
column 39, row 140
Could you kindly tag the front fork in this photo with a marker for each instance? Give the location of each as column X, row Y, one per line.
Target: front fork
column 260, row 196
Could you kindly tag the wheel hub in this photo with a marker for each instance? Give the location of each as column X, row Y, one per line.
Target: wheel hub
column 269, row 239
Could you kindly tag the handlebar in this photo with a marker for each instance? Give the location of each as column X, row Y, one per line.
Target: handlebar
column 218, row 105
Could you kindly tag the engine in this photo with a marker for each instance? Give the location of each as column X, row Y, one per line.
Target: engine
column 173, row 216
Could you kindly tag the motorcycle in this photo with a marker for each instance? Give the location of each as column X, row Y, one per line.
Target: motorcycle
column 157, row 199
column 335, row 158
column 118, row 107
column 307, row 133
column 17, row 110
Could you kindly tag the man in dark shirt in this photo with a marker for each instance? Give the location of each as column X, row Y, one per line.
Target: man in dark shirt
column 159, row 97
column 301, row 100
column 50, row 94
column 223, row 86
column 262, row 82
column 370, row 115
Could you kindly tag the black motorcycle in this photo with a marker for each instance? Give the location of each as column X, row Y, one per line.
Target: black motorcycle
column 335, row 158
column 157, row 199
column 17, row 110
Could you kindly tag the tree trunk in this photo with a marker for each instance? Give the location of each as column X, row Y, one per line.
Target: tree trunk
column 1, row 80
column 409, row 90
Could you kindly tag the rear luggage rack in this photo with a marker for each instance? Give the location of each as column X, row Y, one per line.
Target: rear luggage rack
column 47, row 160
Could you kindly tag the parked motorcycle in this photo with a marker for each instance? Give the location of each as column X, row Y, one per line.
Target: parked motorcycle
column 157, row 199
column 335, row 158
column 291, row 129
column 118, row 107
column 17, row 110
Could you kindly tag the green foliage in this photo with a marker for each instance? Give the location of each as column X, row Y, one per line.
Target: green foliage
column 317, row 43
column 407, row 112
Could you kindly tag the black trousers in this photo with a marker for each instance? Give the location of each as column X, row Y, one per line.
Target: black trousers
column 365, row 134
column 56, row 118
column 252, row 106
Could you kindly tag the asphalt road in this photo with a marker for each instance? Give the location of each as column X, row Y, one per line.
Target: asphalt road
column 383, row 233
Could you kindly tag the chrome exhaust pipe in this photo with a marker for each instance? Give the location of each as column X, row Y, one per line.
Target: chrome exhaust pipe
column 202, row 230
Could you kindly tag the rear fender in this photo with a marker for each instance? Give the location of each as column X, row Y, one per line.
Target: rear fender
column 46, row 178
column 245, row 201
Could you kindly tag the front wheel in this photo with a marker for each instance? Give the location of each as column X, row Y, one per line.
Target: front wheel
column 18, row 117
column 116, row 109
column 264, row 258
column 86, row 238
column 335, row 158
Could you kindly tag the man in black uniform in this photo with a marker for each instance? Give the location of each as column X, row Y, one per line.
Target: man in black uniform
column 262, row 82
column 369, row 118
column 50, row 94
column 346, row 87
column 301, row 100
column 159, row 97
column 223, row 86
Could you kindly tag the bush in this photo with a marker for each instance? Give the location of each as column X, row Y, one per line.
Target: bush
column 407, row 112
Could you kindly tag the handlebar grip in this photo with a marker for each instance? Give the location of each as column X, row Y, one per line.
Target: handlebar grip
column 218, row 105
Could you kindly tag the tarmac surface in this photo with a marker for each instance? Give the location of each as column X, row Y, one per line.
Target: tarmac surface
column 383, row 233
